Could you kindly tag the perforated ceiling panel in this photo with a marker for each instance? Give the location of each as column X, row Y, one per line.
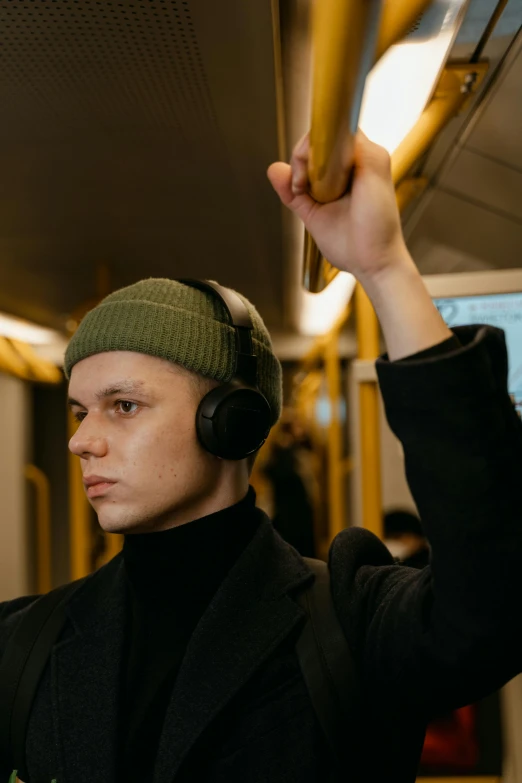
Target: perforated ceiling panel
column 131, row 66
column 136, row 134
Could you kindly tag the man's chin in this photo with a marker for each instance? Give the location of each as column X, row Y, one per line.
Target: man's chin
column 117, row 522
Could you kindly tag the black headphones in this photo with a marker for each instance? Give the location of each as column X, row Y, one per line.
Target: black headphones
column 233, row 420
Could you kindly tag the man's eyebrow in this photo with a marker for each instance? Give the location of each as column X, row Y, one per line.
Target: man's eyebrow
column 121, row 387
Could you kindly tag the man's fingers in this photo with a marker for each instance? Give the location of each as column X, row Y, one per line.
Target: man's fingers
column 280, row 176
column 299, row 165
column 369, row 155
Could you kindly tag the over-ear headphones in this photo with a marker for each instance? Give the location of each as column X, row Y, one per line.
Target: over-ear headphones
column 233, row 420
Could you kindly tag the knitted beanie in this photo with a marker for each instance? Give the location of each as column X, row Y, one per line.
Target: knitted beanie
column 174, row 321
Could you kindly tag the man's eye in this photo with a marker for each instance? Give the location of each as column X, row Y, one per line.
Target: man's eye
column 80, row 416
column 127, row 407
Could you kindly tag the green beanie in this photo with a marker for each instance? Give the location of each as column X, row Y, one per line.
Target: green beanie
column 174, row 321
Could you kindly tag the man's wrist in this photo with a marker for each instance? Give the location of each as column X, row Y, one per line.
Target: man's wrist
column 409, row 319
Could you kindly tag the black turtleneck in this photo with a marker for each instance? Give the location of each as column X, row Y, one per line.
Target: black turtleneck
column 172, row 575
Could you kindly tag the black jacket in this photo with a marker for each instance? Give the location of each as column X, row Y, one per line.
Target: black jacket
column 423, row 640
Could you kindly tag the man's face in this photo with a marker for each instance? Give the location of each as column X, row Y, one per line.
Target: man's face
column 137, row 430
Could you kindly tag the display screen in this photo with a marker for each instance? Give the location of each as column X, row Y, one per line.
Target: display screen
column 501, row 310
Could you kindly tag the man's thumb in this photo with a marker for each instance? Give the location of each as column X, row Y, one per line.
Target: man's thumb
column 280, row 176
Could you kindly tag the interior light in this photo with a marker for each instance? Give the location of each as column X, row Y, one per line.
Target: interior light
column 401, row 83
column 319, row 312
column 18, row 329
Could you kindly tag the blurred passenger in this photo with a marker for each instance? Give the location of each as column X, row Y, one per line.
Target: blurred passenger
column 292, row 508
column 404, row 537
column 177, row 662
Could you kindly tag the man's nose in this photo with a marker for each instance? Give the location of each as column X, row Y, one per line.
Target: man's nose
column 88, row 440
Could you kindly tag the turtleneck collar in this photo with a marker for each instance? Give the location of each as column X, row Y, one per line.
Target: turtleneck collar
column 182, row 567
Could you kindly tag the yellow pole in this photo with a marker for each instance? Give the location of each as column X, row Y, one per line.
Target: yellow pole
column 408, row 190
column 40, row 369
column 457, row 83
column 11, row 362
column 429, row 125
column 113, row 545
column 43, row 527
column 336, row 474
column 343, row 31
column 397, row 19
column 368, row 349
column 79, row 515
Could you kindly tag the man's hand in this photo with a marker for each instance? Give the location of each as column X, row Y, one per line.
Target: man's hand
column 360, row 232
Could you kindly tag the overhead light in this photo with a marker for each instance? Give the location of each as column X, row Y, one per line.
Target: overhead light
column 319, row 312
column 400, row 85
column 18, row 329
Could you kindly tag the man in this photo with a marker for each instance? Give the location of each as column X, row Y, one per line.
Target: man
column 178, row 661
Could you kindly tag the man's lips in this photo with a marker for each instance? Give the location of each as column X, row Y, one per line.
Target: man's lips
column 97, row 485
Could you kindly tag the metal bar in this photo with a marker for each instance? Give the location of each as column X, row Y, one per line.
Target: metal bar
column 341, row 31
column 79, row 515
column 368, row 348
column 420, row 138
column 11, row 362
column 456, row 85
column 486, row 35
column 344, row 39
column 398, row 17
column 43, row 527
column 40, row 369
column 408, row 190
column 113, row 545
column 453, row 91
column 336, row 474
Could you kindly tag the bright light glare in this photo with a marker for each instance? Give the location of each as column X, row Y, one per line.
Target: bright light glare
column 25, row 331
column 319, row 312
column 401, row 83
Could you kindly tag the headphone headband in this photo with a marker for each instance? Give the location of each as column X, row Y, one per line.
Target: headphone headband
column 233, row 420
column 245, row 367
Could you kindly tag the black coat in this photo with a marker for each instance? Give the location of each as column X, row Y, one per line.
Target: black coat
column 423, row 640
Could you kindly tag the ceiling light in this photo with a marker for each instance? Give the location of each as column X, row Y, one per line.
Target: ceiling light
column 400, row 85
column 319, row 312
column 18, row 329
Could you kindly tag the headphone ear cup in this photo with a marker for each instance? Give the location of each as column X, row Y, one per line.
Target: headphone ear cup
column 233, row 421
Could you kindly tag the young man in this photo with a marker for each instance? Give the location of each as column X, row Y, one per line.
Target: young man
column 178, row 661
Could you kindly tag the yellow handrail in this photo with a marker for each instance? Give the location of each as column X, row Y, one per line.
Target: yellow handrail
column 453, row 91
column 345, row 44
column 331, row 141
column 368, row 349
column 398, row 17
column 43, row 527
column 336, row 473
column 11, row 362
column 39, row 369
column 340, row 30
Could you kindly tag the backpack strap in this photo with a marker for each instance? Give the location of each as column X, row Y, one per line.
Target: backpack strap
column 328, row 668
column 31, row 642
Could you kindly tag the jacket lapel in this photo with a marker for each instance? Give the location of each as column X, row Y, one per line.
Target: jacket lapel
column 85, row 670
column 247, row 619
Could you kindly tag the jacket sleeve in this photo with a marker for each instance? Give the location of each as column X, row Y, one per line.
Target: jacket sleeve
column 448, row 635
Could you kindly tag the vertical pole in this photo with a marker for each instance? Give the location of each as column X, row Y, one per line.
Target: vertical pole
column 368, row 349
column 79, row 513
column 337, row 520
column 43, row 527
column 113, row 545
